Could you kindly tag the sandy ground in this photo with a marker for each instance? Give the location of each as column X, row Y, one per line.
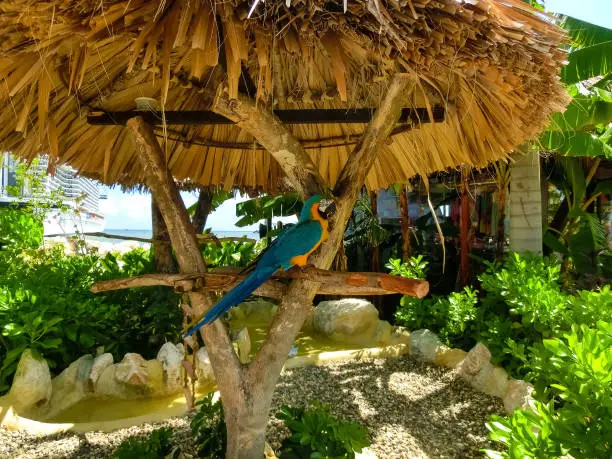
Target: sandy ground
column 411, row 409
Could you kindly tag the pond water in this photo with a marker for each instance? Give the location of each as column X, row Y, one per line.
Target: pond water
column 98, row 410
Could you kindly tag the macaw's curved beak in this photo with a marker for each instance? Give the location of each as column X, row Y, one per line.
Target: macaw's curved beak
column 327, row 207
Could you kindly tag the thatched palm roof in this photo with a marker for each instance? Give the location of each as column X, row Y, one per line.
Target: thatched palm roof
column 491, row 64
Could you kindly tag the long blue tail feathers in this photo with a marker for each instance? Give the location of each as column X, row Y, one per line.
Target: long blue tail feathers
column 235, row 296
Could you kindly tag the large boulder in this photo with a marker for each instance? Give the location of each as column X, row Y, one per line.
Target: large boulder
column 349, row 320
column 132, row 378
column 71, row 385
column 31, row 389
column 171, row 357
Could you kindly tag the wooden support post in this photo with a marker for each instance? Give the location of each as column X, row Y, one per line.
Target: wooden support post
column 375, row 265
column 502, row 180
column 276, row 139
column 202, row 209
column 246, row 391
column 227, row 368
column 405, row 222
column 162, row 251
column 464, row 265
column 297, row 303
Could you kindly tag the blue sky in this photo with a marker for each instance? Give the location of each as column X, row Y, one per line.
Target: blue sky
column 597, row 12
column 133, row 211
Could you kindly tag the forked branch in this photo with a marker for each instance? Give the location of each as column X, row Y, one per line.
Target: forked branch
column 276, row 139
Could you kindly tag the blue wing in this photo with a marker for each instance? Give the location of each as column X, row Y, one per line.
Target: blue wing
column 297, row 240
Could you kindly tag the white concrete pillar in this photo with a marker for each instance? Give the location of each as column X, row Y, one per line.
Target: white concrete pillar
column 526, row 205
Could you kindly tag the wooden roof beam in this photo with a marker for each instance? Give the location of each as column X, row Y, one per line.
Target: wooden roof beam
column 299, row 116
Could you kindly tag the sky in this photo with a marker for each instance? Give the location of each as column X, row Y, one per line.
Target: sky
column 133, row 210
column 598, row 12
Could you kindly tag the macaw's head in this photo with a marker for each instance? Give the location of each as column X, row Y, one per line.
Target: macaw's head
column 310, row 208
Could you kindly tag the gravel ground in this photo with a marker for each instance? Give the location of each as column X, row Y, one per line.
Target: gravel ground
column 412, row 410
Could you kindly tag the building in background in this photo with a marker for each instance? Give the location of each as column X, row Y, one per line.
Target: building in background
column 81, row 196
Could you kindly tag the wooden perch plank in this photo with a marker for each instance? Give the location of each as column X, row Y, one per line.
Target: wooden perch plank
column 332, row 283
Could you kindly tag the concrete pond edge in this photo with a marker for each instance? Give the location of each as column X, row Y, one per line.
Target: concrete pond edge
column 474, row 367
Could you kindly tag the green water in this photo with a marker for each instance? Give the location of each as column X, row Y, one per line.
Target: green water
column 102, row 410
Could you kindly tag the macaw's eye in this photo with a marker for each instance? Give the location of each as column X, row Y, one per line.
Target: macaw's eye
column 327, row 207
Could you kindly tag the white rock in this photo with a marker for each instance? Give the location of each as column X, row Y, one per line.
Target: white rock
column 425, row 345
column 383, row 333
column 366, row 453
column 518, row 395
column 204, row 369
column 243, row 341
column 99, row 364
column 400, row 335
column 71, row 385
column 132, row 370
column 349, row 320
column 31, row 387
column 132, row 378
column 478, row 357
column 171, row 357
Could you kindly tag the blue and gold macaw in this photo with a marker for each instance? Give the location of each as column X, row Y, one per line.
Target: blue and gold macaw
column 291, row 248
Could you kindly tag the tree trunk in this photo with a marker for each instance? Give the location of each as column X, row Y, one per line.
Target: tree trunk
column 464, row 265
column 501, row 224
column 405, row 222
column 162, row 250
column 225, row 364
column 246, row 391
column 341, row 260
column 375, row 266
column 202, row 210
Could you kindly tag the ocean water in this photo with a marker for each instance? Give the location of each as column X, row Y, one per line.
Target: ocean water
column 147, row 233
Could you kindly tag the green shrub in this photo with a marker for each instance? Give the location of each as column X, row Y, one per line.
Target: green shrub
column 19, row 229
column 415, row 267
column 316, row 433
column 46, row 305
column 577, row 418
column 523, row 303
column 156, row 445
column 450, row 317
column 208, row 428
column 230, row 253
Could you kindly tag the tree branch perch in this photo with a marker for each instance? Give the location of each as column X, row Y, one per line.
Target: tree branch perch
column 331, row 283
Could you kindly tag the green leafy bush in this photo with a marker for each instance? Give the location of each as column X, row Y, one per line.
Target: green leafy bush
column 451, row 317
column 415, row 267
column 208, row 428
column 316, row 433
column 230, row 253
column 156, row 445
column 19, row 229
column 523, row 303
column 46, row 305
column 577, row 418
